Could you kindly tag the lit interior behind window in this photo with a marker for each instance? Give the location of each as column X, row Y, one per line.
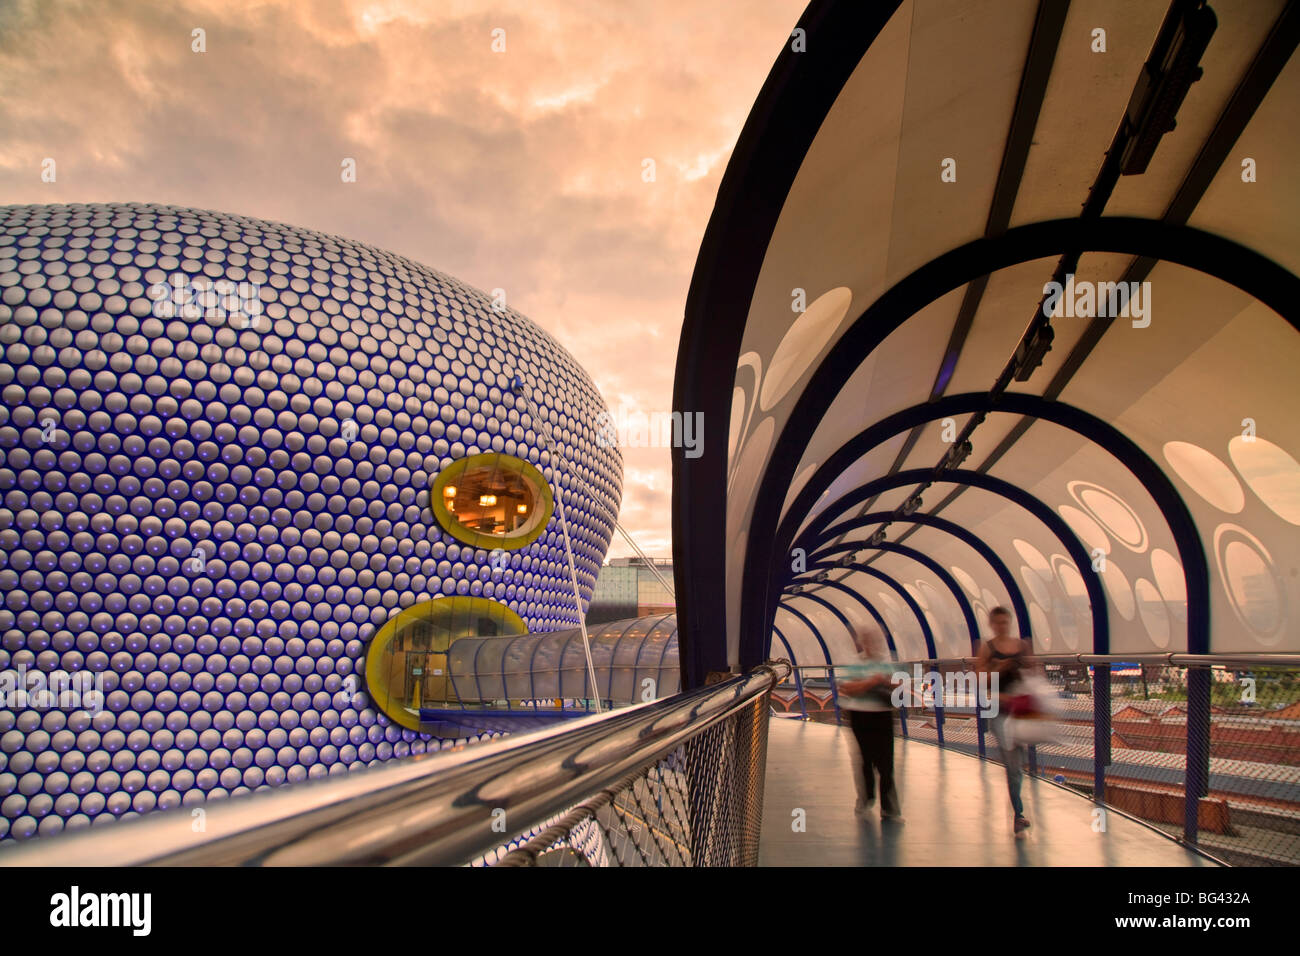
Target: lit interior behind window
column 492, row 501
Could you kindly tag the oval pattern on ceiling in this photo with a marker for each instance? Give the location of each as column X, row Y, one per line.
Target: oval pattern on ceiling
column 803, row 342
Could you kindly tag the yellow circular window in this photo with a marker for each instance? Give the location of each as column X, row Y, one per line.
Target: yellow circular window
column 492, row 501
column 407, row 664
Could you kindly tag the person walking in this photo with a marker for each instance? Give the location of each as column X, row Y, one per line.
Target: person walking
column 1010, row 658
column 864, row 688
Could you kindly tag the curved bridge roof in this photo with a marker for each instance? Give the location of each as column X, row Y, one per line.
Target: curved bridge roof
column 902, row 445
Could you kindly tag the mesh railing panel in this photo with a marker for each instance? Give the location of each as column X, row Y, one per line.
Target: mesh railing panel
column 700, row 805
column 1134, row 730
column 1245, row 753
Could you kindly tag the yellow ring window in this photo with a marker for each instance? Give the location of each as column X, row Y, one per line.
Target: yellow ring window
column 492, row 501
column 407, row 665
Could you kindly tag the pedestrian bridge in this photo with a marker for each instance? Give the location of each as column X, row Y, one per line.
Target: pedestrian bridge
column 925, row 398
column 955, row 809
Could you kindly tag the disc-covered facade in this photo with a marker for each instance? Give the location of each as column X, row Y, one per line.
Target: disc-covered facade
column 219, row 440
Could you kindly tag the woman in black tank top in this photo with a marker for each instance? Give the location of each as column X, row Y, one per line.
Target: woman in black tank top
column 1009, row 666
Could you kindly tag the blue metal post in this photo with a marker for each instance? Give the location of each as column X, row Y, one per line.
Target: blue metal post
column 1198, row 748
column 1100, row 730
column 938, row 703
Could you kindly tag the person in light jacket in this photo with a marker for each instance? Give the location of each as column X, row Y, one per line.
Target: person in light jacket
column 864, row 687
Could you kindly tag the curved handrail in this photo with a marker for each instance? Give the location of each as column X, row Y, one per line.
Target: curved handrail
column 1265, row 659
column 431, row 809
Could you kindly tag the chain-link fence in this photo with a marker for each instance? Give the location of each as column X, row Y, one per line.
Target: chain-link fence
column 1205, row 749
column 701, row 805
column 1228, row 733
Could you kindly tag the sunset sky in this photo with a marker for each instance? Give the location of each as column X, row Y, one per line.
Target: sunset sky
column 519, row 170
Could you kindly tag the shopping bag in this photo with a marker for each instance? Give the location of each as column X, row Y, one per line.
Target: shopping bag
column 1033, row 713
column 1035, row 730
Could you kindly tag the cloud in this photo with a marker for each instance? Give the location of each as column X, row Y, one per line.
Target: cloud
column 519, row 170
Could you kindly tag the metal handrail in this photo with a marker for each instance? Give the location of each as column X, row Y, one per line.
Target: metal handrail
column 431, row 809
column 1282, row 659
